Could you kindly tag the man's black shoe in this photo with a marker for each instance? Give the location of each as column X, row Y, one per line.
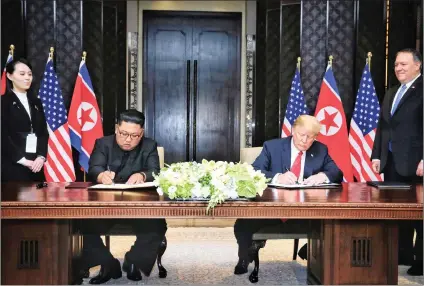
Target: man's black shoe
column 416, row 269
column 107, row 272
column 133, row 273
column 241, row 267
column 303, row 252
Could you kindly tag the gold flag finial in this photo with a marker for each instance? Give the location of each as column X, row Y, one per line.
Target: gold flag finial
column 330, row 60
column 12, row 47
column 51, row 53
column 298, row 63
column 369, row 55
column 84, row 55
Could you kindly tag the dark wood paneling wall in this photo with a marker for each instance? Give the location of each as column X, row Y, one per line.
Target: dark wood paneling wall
column 96, row 26
column 12, row 28
column 313, row 51
column 289, row 51
column 314, row 29
column 370, row 37
column 402, row 30
column 341, row 40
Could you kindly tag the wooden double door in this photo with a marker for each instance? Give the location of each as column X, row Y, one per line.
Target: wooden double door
column 191, row 84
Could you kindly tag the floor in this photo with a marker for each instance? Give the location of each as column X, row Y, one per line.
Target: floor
column 207, row 255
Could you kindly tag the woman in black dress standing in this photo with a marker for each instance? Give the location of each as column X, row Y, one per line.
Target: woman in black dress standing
column 24, row 132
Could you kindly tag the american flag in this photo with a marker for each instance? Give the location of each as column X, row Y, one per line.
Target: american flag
column 362, row 129
column 295, row 107
column 59, row 166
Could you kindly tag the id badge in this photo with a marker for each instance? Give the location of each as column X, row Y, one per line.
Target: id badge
column 31, row 143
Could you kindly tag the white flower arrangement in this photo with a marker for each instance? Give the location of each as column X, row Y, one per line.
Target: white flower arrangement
column 215, row 181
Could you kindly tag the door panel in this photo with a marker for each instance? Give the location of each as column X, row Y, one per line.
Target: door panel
column 169, row 46
column 218, row 94
column 191, row 87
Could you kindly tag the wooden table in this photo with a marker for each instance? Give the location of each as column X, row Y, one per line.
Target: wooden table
column 353, row 239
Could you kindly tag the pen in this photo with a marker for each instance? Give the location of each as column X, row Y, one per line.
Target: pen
column 296, row 182
column 108, row 168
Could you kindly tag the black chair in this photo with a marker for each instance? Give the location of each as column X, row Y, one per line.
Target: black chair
column 292, row 229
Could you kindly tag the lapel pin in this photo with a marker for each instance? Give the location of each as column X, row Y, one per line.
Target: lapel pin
column 312, row 155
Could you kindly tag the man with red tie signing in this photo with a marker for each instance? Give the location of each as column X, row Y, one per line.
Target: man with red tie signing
column 291, row 160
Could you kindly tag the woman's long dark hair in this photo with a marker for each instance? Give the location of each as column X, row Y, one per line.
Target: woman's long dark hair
column 10, row 68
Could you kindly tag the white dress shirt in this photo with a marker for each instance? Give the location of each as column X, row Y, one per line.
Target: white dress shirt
column 293, row 155
column 408, row 85
column 23, row 98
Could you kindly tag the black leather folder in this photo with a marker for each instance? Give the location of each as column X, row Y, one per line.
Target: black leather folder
column 389, row 185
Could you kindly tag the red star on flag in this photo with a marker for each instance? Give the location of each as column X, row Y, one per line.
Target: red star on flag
column 85, row 116
column 328, row 120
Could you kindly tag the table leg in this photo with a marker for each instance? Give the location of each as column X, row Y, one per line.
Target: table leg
column 353, row 252
column 38, row 251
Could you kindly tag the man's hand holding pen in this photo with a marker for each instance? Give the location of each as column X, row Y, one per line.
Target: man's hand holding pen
column 107, row 177
column 288, row 178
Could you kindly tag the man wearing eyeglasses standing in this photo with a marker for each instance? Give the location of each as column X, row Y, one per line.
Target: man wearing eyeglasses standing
column 125, row 157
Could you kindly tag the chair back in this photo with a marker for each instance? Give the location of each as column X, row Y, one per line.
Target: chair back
column 248, row 155
column 161, row 153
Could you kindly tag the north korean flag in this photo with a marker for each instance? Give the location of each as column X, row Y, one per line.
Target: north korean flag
column 330, row 113
column 84, row 117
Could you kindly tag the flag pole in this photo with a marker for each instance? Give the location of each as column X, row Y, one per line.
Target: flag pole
column 51, row 53
column 84, row 55
column 298, row 63
column 369, row 55
column 330, row 61
column 12, row 48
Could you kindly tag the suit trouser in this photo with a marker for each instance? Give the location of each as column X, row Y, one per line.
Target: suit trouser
column 149, row 233
column 245, row 228
column 406, row 228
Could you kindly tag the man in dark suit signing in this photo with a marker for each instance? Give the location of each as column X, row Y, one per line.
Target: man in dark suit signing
column 298, row 158
column 125, row 157
column 398, row 146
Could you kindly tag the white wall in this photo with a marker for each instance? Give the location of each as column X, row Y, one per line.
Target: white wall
column 211, row 6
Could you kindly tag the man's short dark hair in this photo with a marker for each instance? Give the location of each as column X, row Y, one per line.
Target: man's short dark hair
column 416, row 55
column 132, row 116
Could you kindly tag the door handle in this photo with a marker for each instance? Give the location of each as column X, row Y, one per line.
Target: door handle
column 188, row 113
column 194, row 109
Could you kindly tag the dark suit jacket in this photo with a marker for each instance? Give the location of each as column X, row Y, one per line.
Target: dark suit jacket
column 106, row 152
column 404, row 129
column 15, row 126
column 275, row 158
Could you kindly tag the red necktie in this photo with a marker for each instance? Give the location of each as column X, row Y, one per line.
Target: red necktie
column 295, row 169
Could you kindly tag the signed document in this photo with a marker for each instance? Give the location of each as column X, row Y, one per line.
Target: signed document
column 305, row 186
column 122, row 186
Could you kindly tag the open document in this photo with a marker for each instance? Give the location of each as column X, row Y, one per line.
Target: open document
column 304, row 186
column 122, row 186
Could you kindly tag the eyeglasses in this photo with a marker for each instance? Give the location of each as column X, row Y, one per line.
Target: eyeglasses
column 125, row 135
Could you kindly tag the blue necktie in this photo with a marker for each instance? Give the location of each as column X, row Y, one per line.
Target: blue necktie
column 395, row 105
column 399, row 97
